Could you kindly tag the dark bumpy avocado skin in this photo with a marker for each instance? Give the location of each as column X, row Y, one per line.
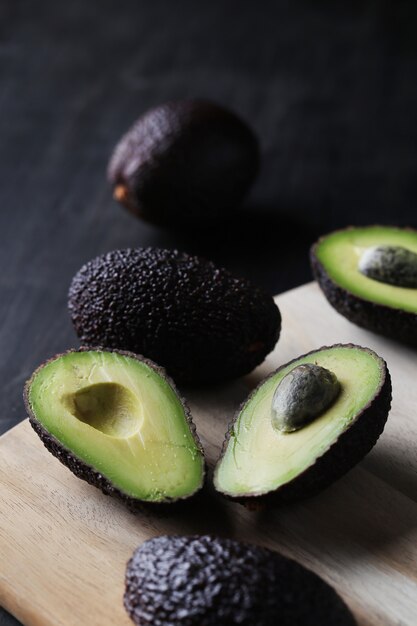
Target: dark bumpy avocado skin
column 198, row 321
column 84, row 471
column 343, row 455
column 385, row 320
column 188, row 161
column 206, row 581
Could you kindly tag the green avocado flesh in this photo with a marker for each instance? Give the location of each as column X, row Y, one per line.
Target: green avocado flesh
column 340, row 254
column 259, row 459
column 122, row 418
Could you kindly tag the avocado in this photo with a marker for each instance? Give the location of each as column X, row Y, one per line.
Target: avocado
column 208, row 581
column 197, row 320
column 369, row 275
column 115, row 420
column 186, row 162
column 260, row 463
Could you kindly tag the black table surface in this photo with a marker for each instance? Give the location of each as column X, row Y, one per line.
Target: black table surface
column 330, row 88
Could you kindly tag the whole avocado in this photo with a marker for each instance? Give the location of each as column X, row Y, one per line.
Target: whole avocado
column 184, row 162
column 207, row 581
column 197, row 320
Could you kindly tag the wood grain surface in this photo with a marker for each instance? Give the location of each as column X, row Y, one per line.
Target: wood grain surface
column 64, row 545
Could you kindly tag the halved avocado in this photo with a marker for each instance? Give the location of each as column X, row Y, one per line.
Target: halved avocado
column 379, row 306
column 258, row 462
column 117, row 422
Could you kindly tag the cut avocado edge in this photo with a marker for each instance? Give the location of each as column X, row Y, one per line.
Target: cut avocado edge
column 352, row 242
column 342, row 453
column 391, row 321
column 91, row 474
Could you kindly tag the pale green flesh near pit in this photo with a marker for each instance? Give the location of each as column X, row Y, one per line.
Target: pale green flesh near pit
column 340, row 252
column 259, row 459
column 121, row 418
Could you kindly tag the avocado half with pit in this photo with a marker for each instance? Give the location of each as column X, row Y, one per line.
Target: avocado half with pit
column 115, row 420
column 262, row 459
column 369, row 275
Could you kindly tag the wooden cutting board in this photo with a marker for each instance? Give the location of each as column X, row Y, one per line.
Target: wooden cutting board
column 64, row 545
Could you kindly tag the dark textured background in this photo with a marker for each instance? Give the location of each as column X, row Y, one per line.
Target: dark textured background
column 330, row 87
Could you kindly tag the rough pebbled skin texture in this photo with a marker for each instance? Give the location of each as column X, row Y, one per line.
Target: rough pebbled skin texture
column 343, row 455
column 384, row 320
column 197, row 320
column 88, row 473
column 185, row 161
column 206, row 581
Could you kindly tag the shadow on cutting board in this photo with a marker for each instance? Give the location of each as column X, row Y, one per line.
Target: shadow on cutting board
column 357, row 515
column 393, row 470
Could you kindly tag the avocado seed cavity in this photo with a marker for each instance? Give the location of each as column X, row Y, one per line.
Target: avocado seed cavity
column 108, row 407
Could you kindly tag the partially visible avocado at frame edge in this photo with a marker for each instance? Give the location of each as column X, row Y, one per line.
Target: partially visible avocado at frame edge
column 116, row 420
column 211, row 581
column 286, row 447
column 369, row 275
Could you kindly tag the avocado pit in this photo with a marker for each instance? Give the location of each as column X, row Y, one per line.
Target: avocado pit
column 302, row 396
column 394, row 265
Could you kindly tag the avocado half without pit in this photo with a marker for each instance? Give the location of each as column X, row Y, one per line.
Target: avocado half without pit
column 204, row 580
column 115, row 420
column 305, row 425
column 369, row 275
column 184, row 163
